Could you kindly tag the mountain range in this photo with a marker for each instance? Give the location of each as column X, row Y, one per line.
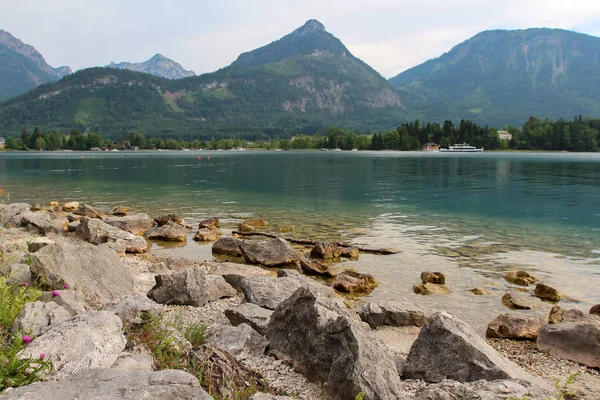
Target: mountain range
column 308, row 80
column 158, row 65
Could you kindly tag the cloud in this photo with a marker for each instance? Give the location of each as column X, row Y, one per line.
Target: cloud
column 390, row 35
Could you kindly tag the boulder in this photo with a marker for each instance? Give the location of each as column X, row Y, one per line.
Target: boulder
column 19, row 274
column 134, row 304
column 392, row 313
column 44, row 222
column 38, row 243
column 11, row 215
column 90, row 212
column 480, row 291
column 134, row 362
column 595, row 309
column 313, row 285
column 218, row 288
column 115, row 384
column 234, row 273
column 251, row 314
column 320, row 339
column 208, row 234
column 326, row 250
column 270, row 253
column 229, row 246
column 99, row 232
column 546, row 292
column 349, row 252
column 71, row 300
column 256, row 223
column 37, row 317
column 521, row 278
column 122, row 211
column 170, row 232
column 136, row 224
column 210, row 223
column 70, row 206
column 559, row 314
column 354, row 282
column 437, row 278
column 96, row 271
column 514, row 326
column 241, row 341
column 187, row 287
column 268, row 292
column 430, row 288
column 575, row 341
column 501, row 389
column 87, row 341
column 244, row 228
column 447, row 348
column 516, row 302
column 314, row 267
column 163, row 219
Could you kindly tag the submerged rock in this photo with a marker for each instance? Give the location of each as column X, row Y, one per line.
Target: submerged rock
column 314, row 267
column 516, row 302
column 546, row 292
column 480, row 291
column 521, row 278
column 430, row 288
column 208, row 234
column 354, row 282
column 210, row 223
column 326, row 250
column 256, row 223
column 163, row 219
column 437, row 278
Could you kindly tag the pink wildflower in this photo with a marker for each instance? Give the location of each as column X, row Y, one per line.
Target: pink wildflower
column 25, row 284
column 5, row 362
column 65, row 286
column 56, row 293
column 42, row 356
column 27, row 339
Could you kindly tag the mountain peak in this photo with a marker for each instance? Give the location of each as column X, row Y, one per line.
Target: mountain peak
column 311, row 26
column 158, row 65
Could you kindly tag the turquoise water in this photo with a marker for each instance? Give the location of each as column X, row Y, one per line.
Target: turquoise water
column 474, row 215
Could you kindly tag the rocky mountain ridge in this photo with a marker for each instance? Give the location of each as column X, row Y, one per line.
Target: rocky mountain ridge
column 158, row 65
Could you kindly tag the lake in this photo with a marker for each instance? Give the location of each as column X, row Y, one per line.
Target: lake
column 471, row 216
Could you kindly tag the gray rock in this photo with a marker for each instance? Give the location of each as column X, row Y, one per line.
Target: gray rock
column 558, row 314
column 89, row 212
column 266, row 396
column 314, row 267
column 268, row 292
column 321, row 340
column 514, row 326
column 96, row 271
column 131, row 305
column 170, row 232
column 71, row 300
column 134, row 362
column 44, row 222
column 115, row 384
column 38, row 243
column 241, row 341
column 481, row 390
column 447, row 348
column 234, row 273
column 313, row 285
column 19, row 274
column 99, row 232
column 218, row 288
column 136, row 224
column 37, row 317
column 516, row 302
column 326, row 250
column 251, row 314
column 187, row 287
column 270, row 253
column 87, row 341
column 575, row 341
column 11, row 215
column 228, row 246
column 392, row 313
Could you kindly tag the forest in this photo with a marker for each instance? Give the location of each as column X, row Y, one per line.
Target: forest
column 577, row 135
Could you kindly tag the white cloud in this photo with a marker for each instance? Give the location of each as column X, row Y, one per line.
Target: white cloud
column 390, row 35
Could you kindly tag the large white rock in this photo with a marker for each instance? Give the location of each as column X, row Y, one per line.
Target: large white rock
column 37, row 317
column 83, row 342
column 575, row 341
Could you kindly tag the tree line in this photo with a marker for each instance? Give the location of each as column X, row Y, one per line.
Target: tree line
column 578, row 134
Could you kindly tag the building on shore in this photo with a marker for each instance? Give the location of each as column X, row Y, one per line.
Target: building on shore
column 504, row 135
column 430, row 147
column 2, row 142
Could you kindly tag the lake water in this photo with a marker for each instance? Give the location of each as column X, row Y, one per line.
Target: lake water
column 472, row 216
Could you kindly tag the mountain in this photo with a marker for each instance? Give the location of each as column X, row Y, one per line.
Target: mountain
column 301, row 83
column 22, row 67
column 502, row 77
column 158, row 65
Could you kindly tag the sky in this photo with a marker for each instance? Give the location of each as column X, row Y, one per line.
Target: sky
column 201, row 35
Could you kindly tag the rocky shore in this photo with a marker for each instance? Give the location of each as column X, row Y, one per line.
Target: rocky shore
column 268, row 319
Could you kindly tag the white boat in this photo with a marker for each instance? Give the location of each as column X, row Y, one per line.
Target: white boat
column 324, row 149
column 337, row 149
column 462, row 148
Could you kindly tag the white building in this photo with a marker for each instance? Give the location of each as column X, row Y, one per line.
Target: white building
column 504, row 135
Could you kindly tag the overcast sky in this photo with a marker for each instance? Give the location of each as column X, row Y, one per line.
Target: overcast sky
column 390, row 35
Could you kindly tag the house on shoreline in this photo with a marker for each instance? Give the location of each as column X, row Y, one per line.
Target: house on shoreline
column 505, row 135
column 2, row 142
column 430, row 147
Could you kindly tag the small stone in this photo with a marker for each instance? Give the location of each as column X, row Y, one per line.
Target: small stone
column 437, row 278
column 326, row 250
column 354, row 282
column 514, row 301
column 430, row 288
column 314, row 267
column 163, row 219
column 208, row 234
column 121, row 211
column 479, row 291
column 70, row 206
column 89, row 211
column 350, row 252
column 210, row 223
column 244, row 228
column 546, row 292
column 53, row 204
column 256, row 223
column 595, row 309
column 521, row 278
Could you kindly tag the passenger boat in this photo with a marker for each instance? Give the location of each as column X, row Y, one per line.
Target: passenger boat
column 462, row 148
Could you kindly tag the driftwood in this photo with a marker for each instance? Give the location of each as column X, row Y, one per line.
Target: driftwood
column 314, row 242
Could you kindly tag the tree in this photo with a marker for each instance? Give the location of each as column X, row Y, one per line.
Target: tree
column 40, row 143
